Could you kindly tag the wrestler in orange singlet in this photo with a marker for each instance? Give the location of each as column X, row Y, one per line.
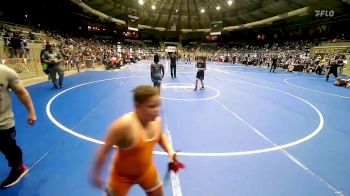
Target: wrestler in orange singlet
column 136, row 134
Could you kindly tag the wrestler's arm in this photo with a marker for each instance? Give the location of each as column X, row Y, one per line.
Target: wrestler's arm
column 117, row 135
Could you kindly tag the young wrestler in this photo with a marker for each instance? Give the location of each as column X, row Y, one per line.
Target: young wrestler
column 201, row 66
column 136, row 133
column 157, row 72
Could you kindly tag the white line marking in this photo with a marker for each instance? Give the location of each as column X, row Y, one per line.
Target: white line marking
column 314, row 133
column 179, row 99
column 290, row 156
column 48, row 110
column 214, row 154
column 166, row 69
column 175, row 179
column 248, row 72
column 285, row 81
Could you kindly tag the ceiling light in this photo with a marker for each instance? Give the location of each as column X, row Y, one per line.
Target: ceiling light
column 153, row 7
column 217, row 7
column 141, row 2
column 229, row 2
column 202, row 10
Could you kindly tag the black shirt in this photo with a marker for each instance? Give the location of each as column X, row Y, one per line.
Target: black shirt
column 173, row 60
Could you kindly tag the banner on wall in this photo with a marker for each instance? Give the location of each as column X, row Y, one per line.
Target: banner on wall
column 133, row 22
column 170, row 49
column 320, row 50
column 215, row 27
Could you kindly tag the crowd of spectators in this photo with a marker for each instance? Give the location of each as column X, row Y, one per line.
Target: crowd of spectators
column 83, row 52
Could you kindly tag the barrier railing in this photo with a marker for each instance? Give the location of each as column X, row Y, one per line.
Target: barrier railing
column 26, row 68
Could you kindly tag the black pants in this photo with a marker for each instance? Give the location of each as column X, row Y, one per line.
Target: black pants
column 332, row 70
column 173, row 70
column 273, row 67
column 318, row 70
column 9, row 148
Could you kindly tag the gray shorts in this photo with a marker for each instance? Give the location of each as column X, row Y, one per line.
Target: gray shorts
column 156, row 81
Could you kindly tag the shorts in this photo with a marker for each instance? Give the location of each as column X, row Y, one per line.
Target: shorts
column 200, row 75
column 156, row 82
column 120, row 184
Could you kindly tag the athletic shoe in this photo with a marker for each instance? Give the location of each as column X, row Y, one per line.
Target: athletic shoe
column 15, row 176
column 54, row 87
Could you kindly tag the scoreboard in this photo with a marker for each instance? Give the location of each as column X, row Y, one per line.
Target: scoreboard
column 133, row 22
column 215, row 28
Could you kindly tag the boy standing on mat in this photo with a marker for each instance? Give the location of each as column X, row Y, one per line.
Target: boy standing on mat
column 201, row 66
column 157, row 72
column 9, row 79
column 135, row 133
